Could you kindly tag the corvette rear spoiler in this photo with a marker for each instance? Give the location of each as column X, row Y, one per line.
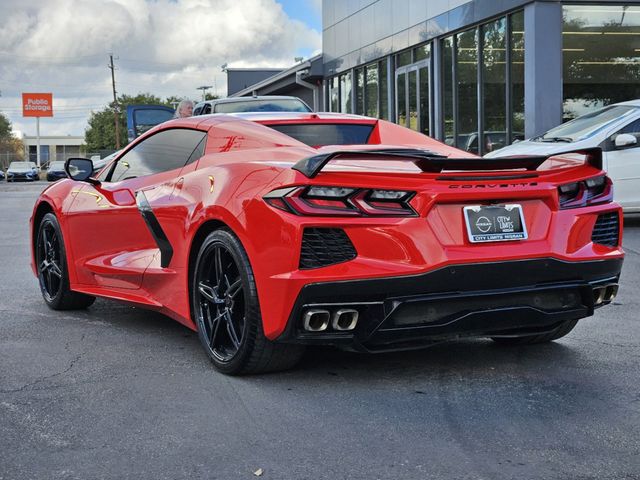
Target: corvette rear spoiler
column 431, row 162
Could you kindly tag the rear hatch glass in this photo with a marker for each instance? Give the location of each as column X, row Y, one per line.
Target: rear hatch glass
column 320, row 134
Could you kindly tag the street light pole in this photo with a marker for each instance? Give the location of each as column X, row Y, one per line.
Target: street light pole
column 204, row 89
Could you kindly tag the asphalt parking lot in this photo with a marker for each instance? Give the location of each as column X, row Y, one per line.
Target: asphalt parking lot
column 115, row 393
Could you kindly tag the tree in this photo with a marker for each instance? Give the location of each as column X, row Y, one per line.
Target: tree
column 11, row 148
column 101, row 132
column 5, row 126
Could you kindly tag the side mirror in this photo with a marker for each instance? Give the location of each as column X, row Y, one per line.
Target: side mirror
column 625, row 140
column 79, row 169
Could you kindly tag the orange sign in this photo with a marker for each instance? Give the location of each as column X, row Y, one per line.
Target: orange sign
column 37, row 105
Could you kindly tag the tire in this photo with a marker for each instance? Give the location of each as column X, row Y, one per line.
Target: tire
column 225, row 307
column 53, row 272
column 560, row 331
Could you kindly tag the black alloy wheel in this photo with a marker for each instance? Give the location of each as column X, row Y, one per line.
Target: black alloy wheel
column 224, row 302
column 51, row 262
column 220, row 302
column 48, row 258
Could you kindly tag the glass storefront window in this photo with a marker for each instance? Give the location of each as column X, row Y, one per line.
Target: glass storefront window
column 494, row 73
column 401, row 99
column 384, row 90
column 601, row 56
column 447, row 90
column 345, row 93
column 360, row 91
column 517, row 76
column 403, row 59
column 500, row 44
column 334, row 97
column 422, row 52
column 467, row 89
column 371, row 89
column 413, row 99
column 425, row 100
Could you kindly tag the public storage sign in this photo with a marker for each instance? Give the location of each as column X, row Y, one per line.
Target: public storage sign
column 37, row 105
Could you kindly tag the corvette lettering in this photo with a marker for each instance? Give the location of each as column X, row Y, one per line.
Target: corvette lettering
column 496, row 185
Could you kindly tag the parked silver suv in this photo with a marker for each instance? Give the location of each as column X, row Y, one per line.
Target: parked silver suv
column 267, row 103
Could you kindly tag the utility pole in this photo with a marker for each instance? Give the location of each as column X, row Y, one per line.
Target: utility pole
column 115, row 101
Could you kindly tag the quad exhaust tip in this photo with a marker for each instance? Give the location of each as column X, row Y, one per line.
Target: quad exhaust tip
column 345, row 319
column 340, row 320
column 602, row 295
column 316, row 320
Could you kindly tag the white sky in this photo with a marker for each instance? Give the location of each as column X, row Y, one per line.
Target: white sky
column 162, row 47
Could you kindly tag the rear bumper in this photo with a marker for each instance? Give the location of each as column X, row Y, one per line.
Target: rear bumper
column 481, row 299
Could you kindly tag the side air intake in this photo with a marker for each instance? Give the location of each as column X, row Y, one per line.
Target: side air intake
column 325, row 246
column 606, row 230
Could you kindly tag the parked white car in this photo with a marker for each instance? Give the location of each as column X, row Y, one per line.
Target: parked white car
column 100, row 163
column 616, row 129
column 22, row 171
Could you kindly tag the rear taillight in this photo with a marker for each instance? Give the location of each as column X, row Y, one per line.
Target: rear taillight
column 592, row 191
column 342, row 201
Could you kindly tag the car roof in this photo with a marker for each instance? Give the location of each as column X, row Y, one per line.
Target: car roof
column 310, row 117
column 247, row 99
column 204, row 122
column 631, row 103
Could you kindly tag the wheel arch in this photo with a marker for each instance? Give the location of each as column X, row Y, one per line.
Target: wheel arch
column 41, row 210
column 198, row 239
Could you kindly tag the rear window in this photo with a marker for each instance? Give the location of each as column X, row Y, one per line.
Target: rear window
column 320, row 134
column 284, row 105
column 145, row 119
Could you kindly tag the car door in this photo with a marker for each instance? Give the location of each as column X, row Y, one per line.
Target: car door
column 113, row 224
column 623, row 166
column 141, row 118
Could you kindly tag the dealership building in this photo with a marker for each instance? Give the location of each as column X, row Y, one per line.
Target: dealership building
column 474, row 73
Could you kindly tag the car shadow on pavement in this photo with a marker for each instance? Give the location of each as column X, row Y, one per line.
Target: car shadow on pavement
column 461, row 357
column 465, row 357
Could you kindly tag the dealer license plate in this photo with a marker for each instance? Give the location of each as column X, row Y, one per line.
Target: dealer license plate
column 495, row 223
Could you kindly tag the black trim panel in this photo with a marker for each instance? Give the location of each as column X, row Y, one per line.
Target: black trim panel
column 166, row 250
column 508, row 288
column 433, row 163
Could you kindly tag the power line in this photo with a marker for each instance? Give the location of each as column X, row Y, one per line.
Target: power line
column 50, row 58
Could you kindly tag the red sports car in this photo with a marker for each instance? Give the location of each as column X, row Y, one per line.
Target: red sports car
column 253, row 234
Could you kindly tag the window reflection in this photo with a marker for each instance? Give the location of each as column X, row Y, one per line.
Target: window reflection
column 401, row 98
column 467, row 89
column 345, row 93
column 447, row 90
column 494, row 69
column 425, row 100
column 517, row 76
column 360, row 91
column 601, row 52
column 460, row 63
column 334, row 104
column 384, row 90
column 371, row 96
column 413, row 99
